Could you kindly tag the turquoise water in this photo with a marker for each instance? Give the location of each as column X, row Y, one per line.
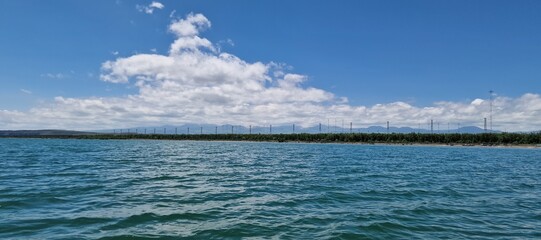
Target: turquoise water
column 91, row 189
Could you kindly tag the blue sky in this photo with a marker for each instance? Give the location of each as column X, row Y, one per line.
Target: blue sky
column 370, row 52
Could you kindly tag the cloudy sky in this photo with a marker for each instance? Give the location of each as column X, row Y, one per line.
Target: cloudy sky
column 121, row 64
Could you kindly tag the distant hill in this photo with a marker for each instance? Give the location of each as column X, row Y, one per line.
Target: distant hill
column 45, row 132
column 227, row 129
column 284, row 129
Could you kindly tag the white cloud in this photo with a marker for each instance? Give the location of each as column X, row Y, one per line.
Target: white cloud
column 190, row 26
column 149, row 9
column 194, row 83
column 192, row 43
column 54, row 75
column 25, row 91
column 224, row 42
column 157, row 5
column 172, row 14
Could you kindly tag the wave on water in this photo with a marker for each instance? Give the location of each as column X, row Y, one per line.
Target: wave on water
column 94, row 189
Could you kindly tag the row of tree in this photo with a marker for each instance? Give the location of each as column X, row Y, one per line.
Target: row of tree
column 395, row 138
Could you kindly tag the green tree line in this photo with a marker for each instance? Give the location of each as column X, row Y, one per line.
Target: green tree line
column 394, row 138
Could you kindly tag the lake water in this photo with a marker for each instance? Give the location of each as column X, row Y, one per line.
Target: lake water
column 91, row 189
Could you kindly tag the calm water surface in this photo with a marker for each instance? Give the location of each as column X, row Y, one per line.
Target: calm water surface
column 92, row 189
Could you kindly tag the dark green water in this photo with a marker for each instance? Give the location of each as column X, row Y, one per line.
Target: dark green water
column 91, row 189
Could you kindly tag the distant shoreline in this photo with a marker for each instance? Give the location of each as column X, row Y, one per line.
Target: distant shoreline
column 493, row 140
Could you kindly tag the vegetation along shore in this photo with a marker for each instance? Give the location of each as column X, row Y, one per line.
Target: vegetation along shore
column 465, row 139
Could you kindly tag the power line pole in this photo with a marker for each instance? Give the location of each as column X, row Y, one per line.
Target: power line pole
column 328, row 125
column 490, row 92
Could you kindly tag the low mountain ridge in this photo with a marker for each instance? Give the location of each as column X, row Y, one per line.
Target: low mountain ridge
column 43, row 132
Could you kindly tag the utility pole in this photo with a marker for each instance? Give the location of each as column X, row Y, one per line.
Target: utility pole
column 328, row 125
column 490, row 92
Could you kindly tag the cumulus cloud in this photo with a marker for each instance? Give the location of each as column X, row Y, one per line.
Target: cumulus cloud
column 190, row 26
column 195, row 83
column 149, row 9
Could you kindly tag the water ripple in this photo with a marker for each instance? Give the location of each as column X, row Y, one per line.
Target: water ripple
column 92, row 189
